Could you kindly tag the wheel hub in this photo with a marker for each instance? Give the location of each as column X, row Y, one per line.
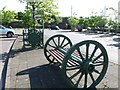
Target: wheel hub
column 87, row 67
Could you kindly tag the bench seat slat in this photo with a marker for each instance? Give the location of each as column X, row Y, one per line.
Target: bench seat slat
column 53, row 54
column 62, row 56
column 59, row 57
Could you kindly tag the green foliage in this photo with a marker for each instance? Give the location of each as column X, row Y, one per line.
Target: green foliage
column 27, row 19
column 44, row 8
column 19, row 15
column 81, row 21
column 110, row 22
column 73, row 21
column 86, row 22
column 65, row 20
column 7, row 16
column 93, row 21
column 56, row 20
column 99, row 21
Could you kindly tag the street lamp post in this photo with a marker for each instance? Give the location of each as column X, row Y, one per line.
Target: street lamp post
column 33, row 7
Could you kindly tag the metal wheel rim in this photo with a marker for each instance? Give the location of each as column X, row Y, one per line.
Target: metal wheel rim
column 102, row 73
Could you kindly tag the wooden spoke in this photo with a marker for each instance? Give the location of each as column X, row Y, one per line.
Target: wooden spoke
column 92, row 77
column 72, row 68
column 58, row 40
column 53, row 59
column 98, row 61
column 96, row 71
column 49, row 55
column 98, row 64
column 81, row 75
column 75, row 74
column 51, row 45
column 80, row 54
column 96, row 47
column 74, row 58
column 97, row 57
column 54, row 42
column 85, row 84
column 62, row 42
column 65, row 44
column 87, row 50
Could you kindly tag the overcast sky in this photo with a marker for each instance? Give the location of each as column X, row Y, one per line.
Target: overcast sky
column 78, row 7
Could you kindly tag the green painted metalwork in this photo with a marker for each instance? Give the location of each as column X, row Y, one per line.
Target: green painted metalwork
column 89, row 60
column 33, row 38
column 54, row 42
column 92, row 69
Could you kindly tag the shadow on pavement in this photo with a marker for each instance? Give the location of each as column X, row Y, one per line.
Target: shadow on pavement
column 107, row 35
column 117, row 39
column 15, row 52
column 45, row 76
column 115, row 45
column 3, row 56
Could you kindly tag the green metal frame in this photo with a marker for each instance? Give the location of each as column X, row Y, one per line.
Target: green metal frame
column 33, row 38
column 92, row 62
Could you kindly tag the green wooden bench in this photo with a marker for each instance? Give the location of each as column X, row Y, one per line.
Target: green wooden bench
column 83, row 65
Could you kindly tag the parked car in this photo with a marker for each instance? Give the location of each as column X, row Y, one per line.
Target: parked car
column 54, row 28
column 6, row 31
column 81, row 28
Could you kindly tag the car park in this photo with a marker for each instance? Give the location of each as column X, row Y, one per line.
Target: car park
column 6, row 31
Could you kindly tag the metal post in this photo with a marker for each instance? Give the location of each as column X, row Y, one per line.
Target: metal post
column 43, row 33
column 27, row 24
column 71, row 11
column 33, row 6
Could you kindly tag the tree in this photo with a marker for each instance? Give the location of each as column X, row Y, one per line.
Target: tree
column 7, row 16
column 19, row 15
column 97, row 21
column 44, row 8
column 27, row 20
column 100, row 21
column 73, row 22
column 81, row 21
column 56, row 20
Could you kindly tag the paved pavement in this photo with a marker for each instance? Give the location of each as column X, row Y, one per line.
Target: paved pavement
column 28, row 68
column 5, row 45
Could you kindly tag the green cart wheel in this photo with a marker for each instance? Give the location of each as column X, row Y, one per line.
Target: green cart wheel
column 54, row 42
column 91, row 64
